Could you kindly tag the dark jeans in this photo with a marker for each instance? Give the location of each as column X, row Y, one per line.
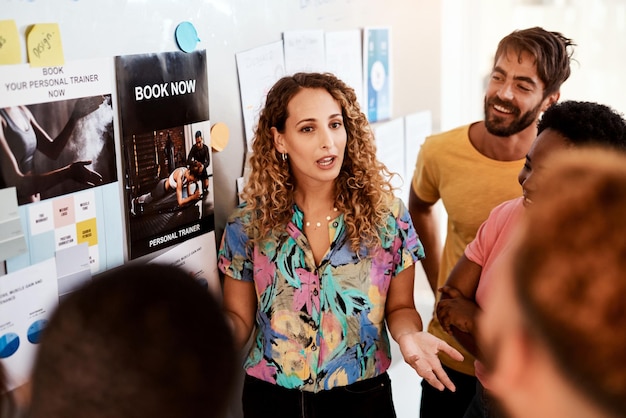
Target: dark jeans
column 369, row 398
column 447, row 404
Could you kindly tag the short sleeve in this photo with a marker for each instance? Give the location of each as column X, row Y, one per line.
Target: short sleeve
column 233, row 257
column 475, row 249
column 425, row 183
column 489, row 232
column 410, row 249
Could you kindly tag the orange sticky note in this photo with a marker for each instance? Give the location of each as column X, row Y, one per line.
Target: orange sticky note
column 43, row 43
column 10, row 52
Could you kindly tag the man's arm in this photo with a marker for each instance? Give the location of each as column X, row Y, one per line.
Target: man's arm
column 426, row 225
column 207, row 158
column 457, row 310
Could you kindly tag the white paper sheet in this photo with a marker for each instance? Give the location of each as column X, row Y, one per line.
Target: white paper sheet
column 198, row 257
column 27, row 299
column 258, row 70
column 390, row 151
column 304, row 51
column 344, row 58
column 12, row 241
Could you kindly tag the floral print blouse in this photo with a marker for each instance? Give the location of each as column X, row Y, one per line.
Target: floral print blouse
column 319, row 326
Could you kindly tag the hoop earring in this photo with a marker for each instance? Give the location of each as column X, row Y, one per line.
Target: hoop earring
column 284, row 156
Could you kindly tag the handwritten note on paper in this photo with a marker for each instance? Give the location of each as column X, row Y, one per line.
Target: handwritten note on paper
column 9, row 43
column 304, row 51
column 258, row 70
column 43, row 43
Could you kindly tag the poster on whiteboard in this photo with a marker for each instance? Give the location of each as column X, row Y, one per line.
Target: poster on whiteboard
column 164, row 118
column 58, row 154
column 377, row 73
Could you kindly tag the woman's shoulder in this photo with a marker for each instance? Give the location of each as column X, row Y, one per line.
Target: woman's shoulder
column 397, row 213
column 397, row 207
column 239, row 214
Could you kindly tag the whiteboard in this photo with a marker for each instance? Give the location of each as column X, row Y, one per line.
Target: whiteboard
column 106, row 28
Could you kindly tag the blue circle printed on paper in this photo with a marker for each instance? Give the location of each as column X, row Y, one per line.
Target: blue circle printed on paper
column 35, row 329
column 9, row 343
column 186, row 36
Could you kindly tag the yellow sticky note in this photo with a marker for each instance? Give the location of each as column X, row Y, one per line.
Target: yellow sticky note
column 43, row 43
column 87, row 231
column 10, row 52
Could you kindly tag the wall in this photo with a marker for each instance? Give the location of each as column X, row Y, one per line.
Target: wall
column 225, row 27
column 470, row 34
column 442, row 50
column 107, row 28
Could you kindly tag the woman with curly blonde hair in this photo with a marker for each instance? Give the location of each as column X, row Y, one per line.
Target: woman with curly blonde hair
column 319, row 262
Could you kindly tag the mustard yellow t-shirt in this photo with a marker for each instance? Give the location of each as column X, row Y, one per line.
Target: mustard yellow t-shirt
column 470, row 185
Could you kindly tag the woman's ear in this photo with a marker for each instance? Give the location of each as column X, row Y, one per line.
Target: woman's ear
column 279, row 142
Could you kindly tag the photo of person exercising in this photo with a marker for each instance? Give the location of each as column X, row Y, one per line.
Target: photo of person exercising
column 182, row 181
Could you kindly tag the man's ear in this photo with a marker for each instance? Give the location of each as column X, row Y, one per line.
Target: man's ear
column 279, row 141
column 550, row 100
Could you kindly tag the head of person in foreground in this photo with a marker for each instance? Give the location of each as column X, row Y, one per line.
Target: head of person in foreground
column 553, row 324
column 139, row 341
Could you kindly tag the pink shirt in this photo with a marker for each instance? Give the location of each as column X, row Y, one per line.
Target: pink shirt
column 491, row 240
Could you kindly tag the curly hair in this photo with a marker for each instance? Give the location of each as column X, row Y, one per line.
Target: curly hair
column 552, row 52
column 363, row 191
column 585, row 123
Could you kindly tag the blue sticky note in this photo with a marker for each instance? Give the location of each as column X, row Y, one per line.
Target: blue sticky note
column 186, row 36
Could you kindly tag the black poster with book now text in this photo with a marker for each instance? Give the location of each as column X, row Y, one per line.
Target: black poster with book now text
column 164, row 107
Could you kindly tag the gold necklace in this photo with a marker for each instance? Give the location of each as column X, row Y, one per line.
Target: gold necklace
column 318, row 224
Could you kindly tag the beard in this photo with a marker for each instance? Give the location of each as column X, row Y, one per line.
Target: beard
column 496, row 126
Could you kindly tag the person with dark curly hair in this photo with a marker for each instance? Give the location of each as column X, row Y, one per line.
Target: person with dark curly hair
column 142, row 340
column 473, row 168
column 319, row 262
column 552, row 328
column 564, row 126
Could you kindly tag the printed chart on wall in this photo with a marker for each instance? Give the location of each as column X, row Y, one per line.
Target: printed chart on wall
column 27, row 300
column 58, row 154
column 58, row 172
column 376, row 67
column 164, row 117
